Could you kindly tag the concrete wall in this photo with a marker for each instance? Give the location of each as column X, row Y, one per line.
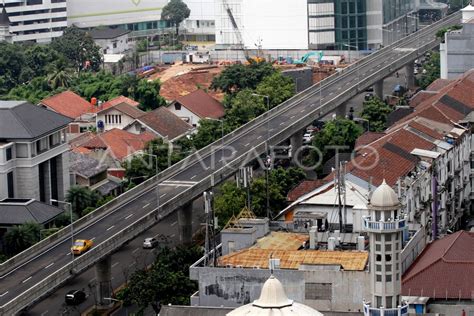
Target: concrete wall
column 232, row 287
column 457, row 54
column 452, row 309
column 27, row 183
column 186, row 115
column 124, row 120
column 107, row 45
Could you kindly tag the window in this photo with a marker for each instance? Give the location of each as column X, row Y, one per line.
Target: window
column 389, row 302
column 378, row 258
column 388, row 278
column 10, row 185
column 378, row 237
column 318, row 291
column 378, row 301
column 388, row 247
column 388, row 237
column 378, row 267
column 388, row 267
column 377, row 247
column 9, row 153
column 177, row 106
column 388, row 258
column 379, row 278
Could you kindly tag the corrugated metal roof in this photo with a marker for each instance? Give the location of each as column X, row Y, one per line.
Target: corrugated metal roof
column 281, row 241
column 292, row 259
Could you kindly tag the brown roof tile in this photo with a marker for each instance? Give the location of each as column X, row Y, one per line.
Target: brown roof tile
column 367, row 138
column 121, row 143
column 118, row 100
column 304, row 187
column 165, row 123
column 68, row 104
column 202, row 104
column 438, row 84
column 125, row 108
column 445, row 269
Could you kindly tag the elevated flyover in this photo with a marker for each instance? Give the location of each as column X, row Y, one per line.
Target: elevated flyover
column 37, row 271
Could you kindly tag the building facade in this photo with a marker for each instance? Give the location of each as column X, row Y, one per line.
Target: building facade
column 33, row 155
column 36, row 20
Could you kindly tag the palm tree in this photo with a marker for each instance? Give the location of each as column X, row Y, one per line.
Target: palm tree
column 21, row 237
column 59, row 74
column 81, row 198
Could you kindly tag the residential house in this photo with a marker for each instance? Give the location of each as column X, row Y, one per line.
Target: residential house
column 118, row 115
column 114, row 147
column 118, row 100
column 196, row 106
column 161, row 122
column 73, row 106
column 15, row 212
column 34, row 162
column 111, row 40
column 89, row 172
column 440, row 280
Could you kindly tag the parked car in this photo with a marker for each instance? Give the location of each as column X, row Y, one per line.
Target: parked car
column 150, row 243
column 80, row 246
column 368, row 96
column 307, row 138
column 75, row 297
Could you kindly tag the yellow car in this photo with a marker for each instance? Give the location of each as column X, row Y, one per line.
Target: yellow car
column 80, row 246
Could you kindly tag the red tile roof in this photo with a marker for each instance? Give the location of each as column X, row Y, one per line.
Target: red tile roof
column 202, row 104
column 118, row 100
column 367, row 138
column 304, row 187
column 165, row 123
column 445, row 269
column 120, row 143
column 125, row 108
column 438, row 84
column 68, row 104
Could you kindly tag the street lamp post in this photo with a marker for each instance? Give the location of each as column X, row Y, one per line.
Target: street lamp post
column 358, row 66
column 156, row 177
column 222, row 135
column 72, row 226
column 267, row 151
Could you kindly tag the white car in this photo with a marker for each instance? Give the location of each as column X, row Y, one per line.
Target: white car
column 150, row 243
column 307, row 138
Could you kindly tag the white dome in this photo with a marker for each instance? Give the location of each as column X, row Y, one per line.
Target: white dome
column 273, row 301
column 384, row 197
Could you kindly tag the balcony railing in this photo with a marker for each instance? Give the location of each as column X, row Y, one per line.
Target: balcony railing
column 372, row 311
column 396, row 224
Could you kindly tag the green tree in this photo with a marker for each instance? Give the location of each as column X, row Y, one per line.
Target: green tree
column 208, row 132
column 279, row 88
column 39, row 57
column 79, row 48
column 376, row 112
column 22, row 237
column 12, row 62
column 175, row 12
column 229, row 201
column 339, row 132
column 432, row 71
column 245, row 106
column 238, row 77
column 166, row 282
column 59, row 75
column 147, row 93
column 81, row 198
column 36, row 90
column 65, row 219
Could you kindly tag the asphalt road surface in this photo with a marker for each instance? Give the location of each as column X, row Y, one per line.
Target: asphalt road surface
column 44, row 264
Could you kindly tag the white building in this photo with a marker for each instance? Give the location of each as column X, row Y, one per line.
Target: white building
column 36, row 20
column 117, row 116
column 111, row 41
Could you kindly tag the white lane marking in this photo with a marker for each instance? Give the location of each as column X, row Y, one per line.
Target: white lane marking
column 91, row 280
column 92, row 239
column 1, row 295
column 131, row 264
column 110, row 227
column 128, row 216
column 247, row 144
column 26, row 280
column 259, row 137
column 207, row 168
column 339, row 88
column 44, row 313
column 173, row 235
column 49, row 265
column 330, row 94
column 115, row 264
column 68, row 254
column 193, row 177
column 292, row 117
column 135, row 250
column 271, row 129
column 302, row 110
column 174, row 223
column 282, row 123
column 146, row 205
column 163, row 195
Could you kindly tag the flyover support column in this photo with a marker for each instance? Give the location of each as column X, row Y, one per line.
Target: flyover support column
column 378, row 89
column 410, row 75
column 341, row 110
column 296, row 142
column 185, row 216
column 103, row 276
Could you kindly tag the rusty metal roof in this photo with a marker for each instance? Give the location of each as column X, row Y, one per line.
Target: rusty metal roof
column 281, row 241
column 292, row 259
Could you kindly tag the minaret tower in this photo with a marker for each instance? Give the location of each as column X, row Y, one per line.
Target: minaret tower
column 385, row 225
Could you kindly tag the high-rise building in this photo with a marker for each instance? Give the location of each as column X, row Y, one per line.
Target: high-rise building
column 385, row 226
column 36, row 20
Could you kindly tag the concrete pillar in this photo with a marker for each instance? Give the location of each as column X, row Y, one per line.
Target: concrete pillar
column 103, row 276
column 410, row 75
column 341, row 110
column 378, row 89
column 296, row 142
column 185, row 216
